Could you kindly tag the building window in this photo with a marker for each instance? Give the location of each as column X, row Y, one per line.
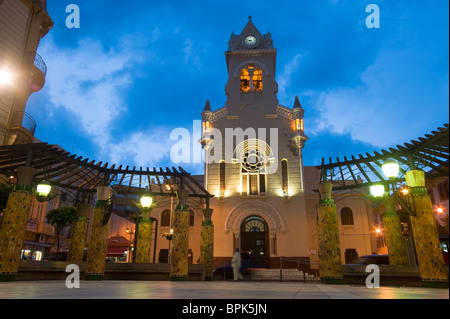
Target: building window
column 165, row 218
column 443, row 190
column 257, row 80
column 191, row 218
column 284, row 178
column 222, row 178
column 351, row 256
column 253, row 172
column 251, row 79
column 346, row 216
column 254, row 225
column 245, row 80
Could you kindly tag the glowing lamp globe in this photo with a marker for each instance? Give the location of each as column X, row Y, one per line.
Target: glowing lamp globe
column 390, row 168
column 377, row 190
column 146, row 201
column 43, row 188
column 5, row 77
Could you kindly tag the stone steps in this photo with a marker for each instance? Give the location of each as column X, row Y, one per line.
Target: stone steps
column 264, row 274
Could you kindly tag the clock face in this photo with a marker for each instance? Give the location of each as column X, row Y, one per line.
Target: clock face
column 250, row 41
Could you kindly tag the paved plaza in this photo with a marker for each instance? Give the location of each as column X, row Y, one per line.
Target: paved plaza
column 208, row 290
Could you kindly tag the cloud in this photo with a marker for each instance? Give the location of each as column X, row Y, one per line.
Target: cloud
column 88, row 81
column 284, row 79
column 380, row 110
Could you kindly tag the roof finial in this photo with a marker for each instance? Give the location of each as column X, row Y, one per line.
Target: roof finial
column 297, row 103
column 250, row 18
column 207, row 107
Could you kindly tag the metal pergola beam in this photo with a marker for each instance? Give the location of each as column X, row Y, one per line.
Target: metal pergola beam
column 429, row 153
column 66, row 170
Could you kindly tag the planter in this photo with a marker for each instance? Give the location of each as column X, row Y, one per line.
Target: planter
column 415, row 178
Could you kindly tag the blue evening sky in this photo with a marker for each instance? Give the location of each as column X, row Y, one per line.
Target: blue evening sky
column 136, row 70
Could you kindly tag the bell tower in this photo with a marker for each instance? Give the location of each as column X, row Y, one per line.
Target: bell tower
column 251, row 65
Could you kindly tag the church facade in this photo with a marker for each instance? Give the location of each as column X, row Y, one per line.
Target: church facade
column 264, row 200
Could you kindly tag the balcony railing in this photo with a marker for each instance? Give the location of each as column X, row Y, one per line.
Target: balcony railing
column 33, row 58
column 26, row 119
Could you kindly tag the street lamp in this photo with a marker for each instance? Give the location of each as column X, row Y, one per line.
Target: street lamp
column 43, row 188
column 146, row 201
column 377, row 190
column 391, row 220
column 43, row 191
column 390, row 168
column 5, row 76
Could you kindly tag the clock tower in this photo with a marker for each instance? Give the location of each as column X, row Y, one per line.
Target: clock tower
column 251, row 61
column 264, row 200
column 253, row 162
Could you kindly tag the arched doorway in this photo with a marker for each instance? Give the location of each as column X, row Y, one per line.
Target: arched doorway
column 255, row 241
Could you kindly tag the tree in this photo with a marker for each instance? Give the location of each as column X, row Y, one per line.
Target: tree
column 5, row 189
column 61, row 217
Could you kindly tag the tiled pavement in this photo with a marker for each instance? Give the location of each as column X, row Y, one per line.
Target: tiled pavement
column 208, row 290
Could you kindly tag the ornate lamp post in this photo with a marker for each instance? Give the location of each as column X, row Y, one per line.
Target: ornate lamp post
column 419, row 207
column 13, row 227
column 391, row 220
column 144, row 230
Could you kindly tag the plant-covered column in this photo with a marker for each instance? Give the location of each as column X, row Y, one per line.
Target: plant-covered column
column 14, row 223
column 144, row 239
column 180, row 239
column 78, row 235
column 144, row 230
column 426, row 238
column 330, row 263
column 394, row 235
column 98, row 243
column 207, row 244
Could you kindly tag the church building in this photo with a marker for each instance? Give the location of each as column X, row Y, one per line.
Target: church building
column 265, row 201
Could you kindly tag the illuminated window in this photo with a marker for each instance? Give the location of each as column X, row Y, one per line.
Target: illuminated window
column 206, row 127
column 251, row 79
column 245, row 80
column 257, row 80
column 254, row 225
column 299, row 124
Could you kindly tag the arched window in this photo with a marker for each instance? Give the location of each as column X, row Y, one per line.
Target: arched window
column 257, row 80
column 222, row 178
column 346, row 216
column 253, row 172
column 245, row 80
column 251, row 79
column 191, row 218
column 165, row 218
column 254, row 225
column 284, row 178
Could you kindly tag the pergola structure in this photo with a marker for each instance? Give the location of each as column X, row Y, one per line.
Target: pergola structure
column 417, row 161
column 429, row 153
column 74, row 172
column 29, row 164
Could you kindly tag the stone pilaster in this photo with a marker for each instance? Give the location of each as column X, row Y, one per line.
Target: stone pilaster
column 14, row 223
column 330, row 263
column 180, row 239
column 78, row 235
column 394, row 237
column 207, row 244
column 426, row 237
